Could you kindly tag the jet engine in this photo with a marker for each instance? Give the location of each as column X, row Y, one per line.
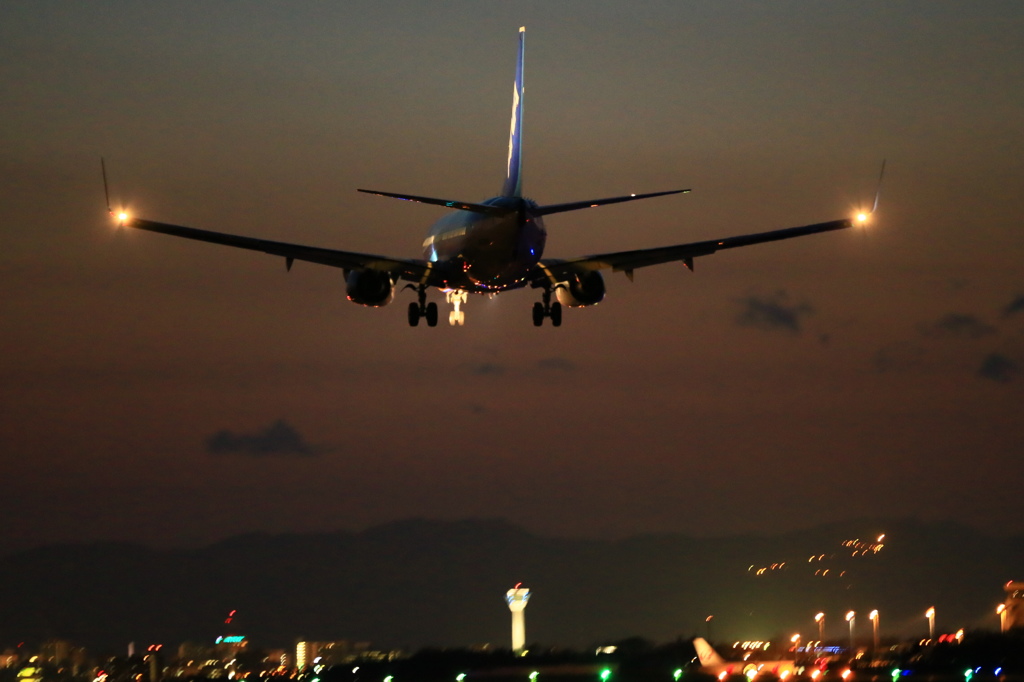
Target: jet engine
column 585, row 288
column 369, row 287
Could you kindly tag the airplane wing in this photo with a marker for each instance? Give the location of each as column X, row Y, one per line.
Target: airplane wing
column 554, row 271
column 407, row 269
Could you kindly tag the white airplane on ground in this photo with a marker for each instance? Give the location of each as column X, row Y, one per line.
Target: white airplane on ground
column 712, row 663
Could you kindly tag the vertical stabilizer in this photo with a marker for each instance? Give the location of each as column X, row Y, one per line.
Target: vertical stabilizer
column 708, row 657
column 514, row 181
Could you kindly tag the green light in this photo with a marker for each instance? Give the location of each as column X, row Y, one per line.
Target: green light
column 460, row 677
column 895, row 674
column 389, row 678
column 968, row 674
column 606, row 674
column 534, row 675
column 677, row 674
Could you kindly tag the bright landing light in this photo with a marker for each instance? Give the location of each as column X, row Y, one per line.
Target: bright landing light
column 862, row 217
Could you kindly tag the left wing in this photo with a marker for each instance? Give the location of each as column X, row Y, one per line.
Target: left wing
column 554, row 271
column 407, row 269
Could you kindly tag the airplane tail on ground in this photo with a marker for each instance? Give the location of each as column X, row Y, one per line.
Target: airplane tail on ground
column 513, row 180
column 705, row 654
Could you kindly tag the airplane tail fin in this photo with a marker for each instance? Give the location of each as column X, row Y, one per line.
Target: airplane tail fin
column 513, row 180
column 705, row 654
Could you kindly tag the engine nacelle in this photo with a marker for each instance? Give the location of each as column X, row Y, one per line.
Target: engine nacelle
column 369, row 287
column 586, row 288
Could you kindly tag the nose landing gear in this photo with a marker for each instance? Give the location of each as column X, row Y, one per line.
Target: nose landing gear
column 547, row 309
column 457, row 317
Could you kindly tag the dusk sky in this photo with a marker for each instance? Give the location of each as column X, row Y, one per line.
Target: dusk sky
column 172, row 392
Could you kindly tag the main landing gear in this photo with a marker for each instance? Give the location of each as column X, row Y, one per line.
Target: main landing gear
column 421, row 308
column 547, row 309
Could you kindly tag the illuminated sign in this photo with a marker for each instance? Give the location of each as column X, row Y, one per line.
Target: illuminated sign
column 231, row 639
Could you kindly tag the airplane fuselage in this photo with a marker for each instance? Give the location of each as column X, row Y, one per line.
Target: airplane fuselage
column 485, row 253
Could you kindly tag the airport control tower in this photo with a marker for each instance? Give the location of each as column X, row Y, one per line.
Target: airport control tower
column 516, row 599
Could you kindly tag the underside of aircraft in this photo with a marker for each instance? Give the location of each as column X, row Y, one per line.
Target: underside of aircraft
column 488, row 247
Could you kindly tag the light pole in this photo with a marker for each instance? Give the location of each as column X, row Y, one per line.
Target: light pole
column 1001, row 612
column 795, row 639
column 851, row 618
column 820, row 620
column 874, row 626
column 930, row 615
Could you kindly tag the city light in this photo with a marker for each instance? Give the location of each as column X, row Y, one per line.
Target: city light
column 851, row 618
column 930, row 615
column 820, row 620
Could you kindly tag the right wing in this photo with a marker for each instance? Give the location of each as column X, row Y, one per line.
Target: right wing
column 554, row 271
column 408, row 269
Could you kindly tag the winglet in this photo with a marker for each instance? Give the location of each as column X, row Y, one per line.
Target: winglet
column 120, row 216
column 513, row 186
column 106, row 190
column 878, row 192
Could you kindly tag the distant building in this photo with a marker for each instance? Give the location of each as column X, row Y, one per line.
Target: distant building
column 55, row 651
column 227, row 647
column 1014, row 615
column 309, row 655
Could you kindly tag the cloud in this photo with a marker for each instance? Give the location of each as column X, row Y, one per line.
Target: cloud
column 556, row 364
column 957, row 326
column 487, row 369
column 999, row 368
column 772, row 312
column 1015, row 306
column 899, row 357
column 278, row 440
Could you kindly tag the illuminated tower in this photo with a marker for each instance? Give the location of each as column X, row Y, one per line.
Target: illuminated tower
column 1014, row 606
column 517, row 598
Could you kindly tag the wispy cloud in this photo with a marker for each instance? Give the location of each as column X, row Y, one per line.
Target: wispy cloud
column 774, row 312
column 486, row 369
column 1015, row 306
column 998, row 367
column 279, row 439
column 899, row 357
column 957, row 326
column 556, row 365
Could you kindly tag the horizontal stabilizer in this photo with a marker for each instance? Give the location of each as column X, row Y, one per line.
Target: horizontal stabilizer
column 576, row 205
column 448, row 203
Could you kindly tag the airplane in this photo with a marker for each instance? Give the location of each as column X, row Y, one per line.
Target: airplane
column 713, row 664
column 489, row 247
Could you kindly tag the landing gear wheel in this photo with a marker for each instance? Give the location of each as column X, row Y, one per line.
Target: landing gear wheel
column 556, row 314
column 431, row 314
column 538, row 314
column 414, row 315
